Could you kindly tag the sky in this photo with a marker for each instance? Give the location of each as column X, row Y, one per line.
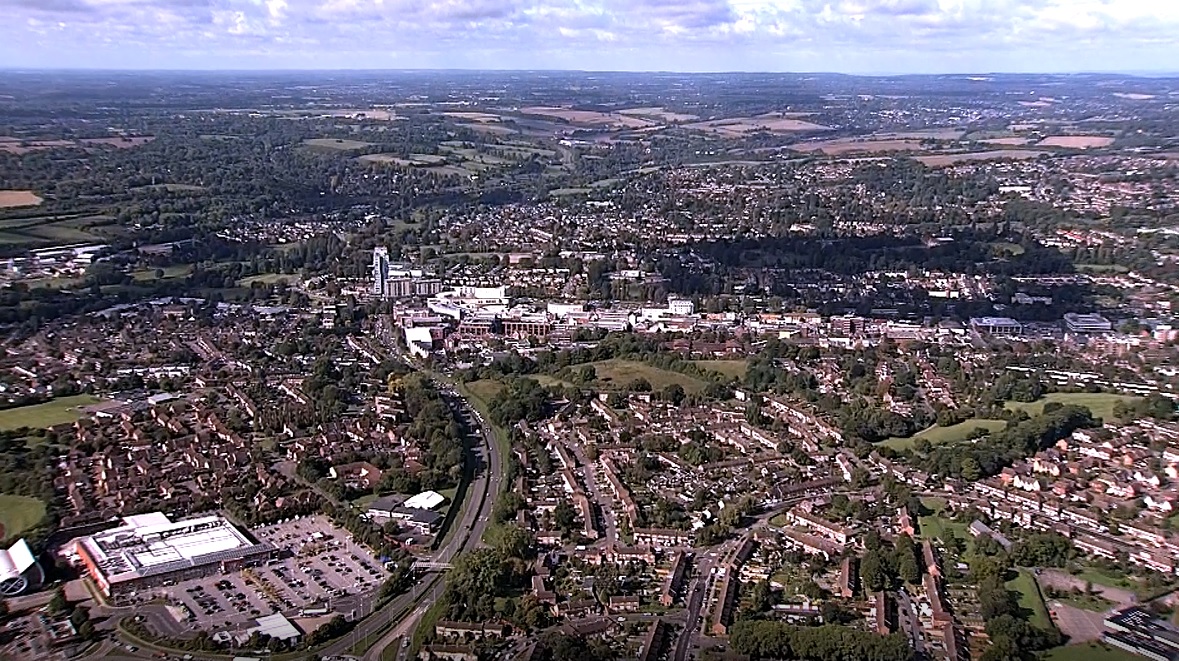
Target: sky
column 847, row 36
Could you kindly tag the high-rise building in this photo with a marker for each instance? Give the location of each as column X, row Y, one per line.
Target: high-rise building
column 380, row 270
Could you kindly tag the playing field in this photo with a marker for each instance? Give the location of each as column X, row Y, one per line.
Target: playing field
column 935, row 435
column 485, row 389
column 55, row 412
column 1029, row 598
column 1100, row 403
column 1088, row 652
column 18, row 514
column 619, row 373
column 731, row 368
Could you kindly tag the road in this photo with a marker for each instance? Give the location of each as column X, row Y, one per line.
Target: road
column 467, row 535
column 695, row 600
column 909, row 622
column 400, row 614
column 610, row 538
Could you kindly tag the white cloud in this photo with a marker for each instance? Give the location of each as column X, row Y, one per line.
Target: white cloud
column 538, row 33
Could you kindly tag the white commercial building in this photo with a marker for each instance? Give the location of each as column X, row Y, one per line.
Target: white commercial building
column 149, row 550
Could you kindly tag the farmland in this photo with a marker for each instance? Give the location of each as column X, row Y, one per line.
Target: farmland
column 1100, row 403
column 587, row 117
column 50, row 229
column 774, row 123
column 855, row 145
column 941, row 160
column 18, row 514
column 1076, row 141
column 54, row 412
column 18, row 198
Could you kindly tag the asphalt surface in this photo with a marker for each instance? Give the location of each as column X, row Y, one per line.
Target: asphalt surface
column 467, row 535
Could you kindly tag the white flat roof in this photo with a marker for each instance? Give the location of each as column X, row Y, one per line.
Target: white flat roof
column 277, row 626
column 15, row 560
column 426, row 500
column 150, row 541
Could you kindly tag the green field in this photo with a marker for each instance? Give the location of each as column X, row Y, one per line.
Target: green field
column 1102, row 268
column 549, row 381
column 1088, row 652
column 935, row 435
column 170, row 273
column 336, row 144
column 731, row 368
column 1100, row 403
column 267, row 279
column 54, row 412
column 18, row 514
column 1030, row 599
column 619, row 373
column 484, row 390
column 937, row 526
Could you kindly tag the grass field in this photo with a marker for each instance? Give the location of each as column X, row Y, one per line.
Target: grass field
column 935, row 435
column 55, row 412
column 936, row 526
column 619, row 373
column 549, row 381
column 1100, row 403
column 484, row 390
column 1030, row 598
column 267, row 279
column 732, row 368
column 170, row 273
column 18, row 514
column 336, row 144
column 1088, row 652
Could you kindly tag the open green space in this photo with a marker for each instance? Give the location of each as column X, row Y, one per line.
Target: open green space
column 267, row 279
column 484, row 390
column 54, row 412
column 172, row 272
column 1030, row 598
column 732, row 368
column 336, row 144
column 935, row 435
column 619, row 373
column 18, row 514
column 1100, row 403
column 939, row 526
column 1088, row 652
column 550, row 382
column 565, row 192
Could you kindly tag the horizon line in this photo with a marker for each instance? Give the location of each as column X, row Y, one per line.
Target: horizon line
column 1137, row 73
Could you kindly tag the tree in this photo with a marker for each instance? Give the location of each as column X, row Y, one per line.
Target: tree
column 58, row 603
column 674, row 393
column 971, row 471
column 515, row 542
column 873, row 573
column 564, row 516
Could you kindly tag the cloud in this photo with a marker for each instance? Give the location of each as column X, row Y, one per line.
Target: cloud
column 748, row 34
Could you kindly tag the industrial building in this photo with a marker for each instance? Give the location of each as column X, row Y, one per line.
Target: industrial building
column 150, row 550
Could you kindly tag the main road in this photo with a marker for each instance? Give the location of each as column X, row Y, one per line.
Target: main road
column 396, row 618
column 466, row 534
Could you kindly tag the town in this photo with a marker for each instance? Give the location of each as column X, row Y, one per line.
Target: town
column 888, row 389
